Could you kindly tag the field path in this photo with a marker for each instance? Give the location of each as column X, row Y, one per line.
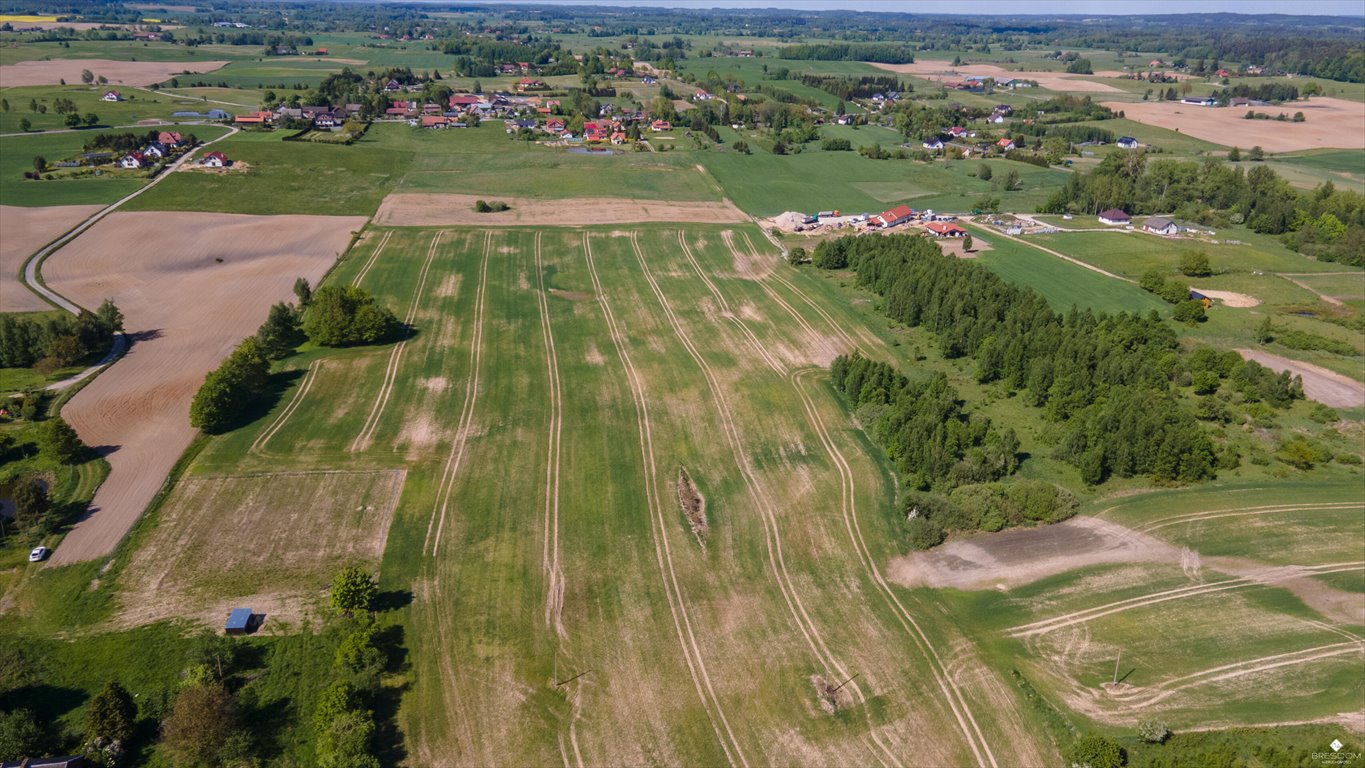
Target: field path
column 554, row 599
column 1047, row 250
column 1141, row 698
column 381, row 401
column 258, row 445
column 471, row 396
column 659, row 528
column 1271, row 575
column 365, row 270
column 1153, row 525
column 727, row 311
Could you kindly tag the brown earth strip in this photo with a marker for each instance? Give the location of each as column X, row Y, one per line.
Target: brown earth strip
column 1327, row 387
column 54, row 71
column 421, row 209
column 191, row 286
column 1328, row 122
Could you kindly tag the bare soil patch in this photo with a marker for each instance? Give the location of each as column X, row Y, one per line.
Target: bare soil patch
column 415, row 209
column 692, row 503
column 1016, row 557
column 1329, row 123
column 952, row 246
column 22, row 232
column 1327, row 387
column 117, row 72
column 269, row 542
column 1230, row 298
column 940, row 69
column 191, row 286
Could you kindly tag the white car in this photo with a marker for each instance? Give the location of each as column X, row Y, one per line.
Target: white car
column 38, row 554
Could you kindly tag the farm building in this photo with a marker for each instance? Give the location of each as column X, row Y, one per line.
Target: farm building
column 256, row 118
column 1199, row 101
column 1128, row 142
column 1115, row 217
column 898, row 215
column 944, row 229
column 1160, row 225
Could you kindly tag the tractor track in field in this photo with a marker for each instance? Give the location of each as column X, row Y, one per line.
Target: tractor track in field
column 365, row 270
column 789, row 589
column 1141, row 698
column 659, row 528
column 258, row 445
column 819, row 310
column 772, row 531
column 952, row 693
column 471, row 396
column 727, row 311
column 1281, row 573
column 362, row 440
column 1244, row 511
column 554, row 599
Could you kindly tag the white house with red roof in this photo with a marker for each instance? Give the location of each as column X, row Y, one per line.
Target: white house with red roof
column 1005, row 145
column 133, row 160
column 214, row 159
column 944, row 229
column 112, row 96
column 898, row 215
column 169, row 138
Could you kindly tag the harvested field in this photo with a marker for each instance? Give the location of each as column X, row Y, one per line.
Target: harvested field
column 939, row 69
column 117, row 72
column 1329, row 123
column 412, row 209
column 1324, row 386
column 187, row 301
column 270, row 542
column 1230, row 298
column 25, row 231
column 1016, row 557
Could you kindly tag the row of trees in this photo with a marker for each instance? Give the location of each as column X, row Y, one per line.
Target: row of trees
column 1108, row 380
column 334, row 316
column 52, row 341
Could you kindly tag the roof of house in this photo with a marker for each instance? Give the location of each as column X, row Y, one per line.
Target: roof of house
column 1127, row 140
column 1004, row 142
column 1158, row 222
column 897, row 213
column 1114, row 214
column 943, row 227
column 216, row 154
column 239, row 618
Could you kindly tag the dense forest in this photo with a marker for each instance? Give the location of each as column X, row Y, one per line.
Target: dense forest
column 1111, row 382
column 1326, row 223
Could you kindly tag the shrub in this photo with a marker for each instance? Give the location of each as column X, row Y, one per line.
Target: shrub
column 837, row 145
column 923, row 533
column 62, row 443
column 353, row 590
column 1195, row 264
column 1153, row 731
column 1095, row 751
column 1190, row 312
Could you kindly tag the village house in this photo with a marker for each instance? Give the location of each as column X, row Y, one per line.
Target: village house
column 530, row 84
column 957, row 131
column 255, row 118
column 934, row 143
column 1160, row 225
column 1128, row 142
column 214, row 160
column 618, row 137
column 326, row 121
column 1200, row 101
column 554, row 125
column 896, row 216
column 169, row 138
column 155, row 150
column 594, row 131
column 945, row 229
column 1115, row 217
column 392, row 85
column 1005, row 145
column 112, row 96
column 132, row 160
column 660, row 125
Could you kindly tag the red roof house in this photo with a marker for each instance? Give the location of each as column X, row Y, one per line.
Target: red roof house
column 898, row 215
column 944, row 229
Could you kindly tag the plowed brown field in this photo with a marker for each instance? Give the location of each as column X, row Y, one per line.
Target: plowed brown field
column 116, row 72
column 1327, row 122
column 25, row 230
column 191, row 285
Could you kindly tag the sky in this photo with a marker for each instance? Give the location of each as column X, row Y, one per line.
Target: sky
column 1354, row 8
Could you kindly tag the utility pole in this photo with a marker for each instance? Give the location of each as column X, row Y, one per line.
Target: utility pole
column 846, row 682
column 1116, row 667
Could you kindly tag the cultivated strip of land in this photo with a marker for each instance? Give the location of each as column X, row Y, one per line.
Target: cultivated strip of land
column 422, row 209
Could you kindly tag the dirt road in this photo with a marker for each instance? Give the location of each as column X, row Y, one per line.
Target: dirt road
column 1326, row 387
column 25, row 231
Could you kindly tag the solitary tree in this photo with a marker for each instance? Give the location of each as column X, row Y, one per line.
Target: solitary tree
column 31, row 503
column 92, row 119
column 62, row 443
column 1012, row 182
column 73, row 120
column 1256, row 154
column 24, row 125
column 1264, row 333
column 202, row 720
column 353, row 590
column 303, row 291
column 110, row 316
column 967, row 244
column 1234, row 155
column 983, row 172
column 110, row 720
column 39, row 163
column 87, row 76
column 1096, row 751
column 1195, row 264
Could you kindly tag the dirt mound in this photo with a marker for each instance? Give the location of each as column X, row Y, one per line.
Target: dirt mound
column 1230, row 298
column 1327, row 387
column 1329, row 123
column 1012, row 558
column 25, row 230
column 191, row 286
column 787, row 222
column 117, row 72
column 414, row 209
column 693, row 504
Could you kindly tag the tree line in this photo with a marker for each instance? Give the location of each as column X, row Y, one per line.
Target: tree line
column 1109, row 381
column 882, row 53
column 52, row 341
column 333, row 316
